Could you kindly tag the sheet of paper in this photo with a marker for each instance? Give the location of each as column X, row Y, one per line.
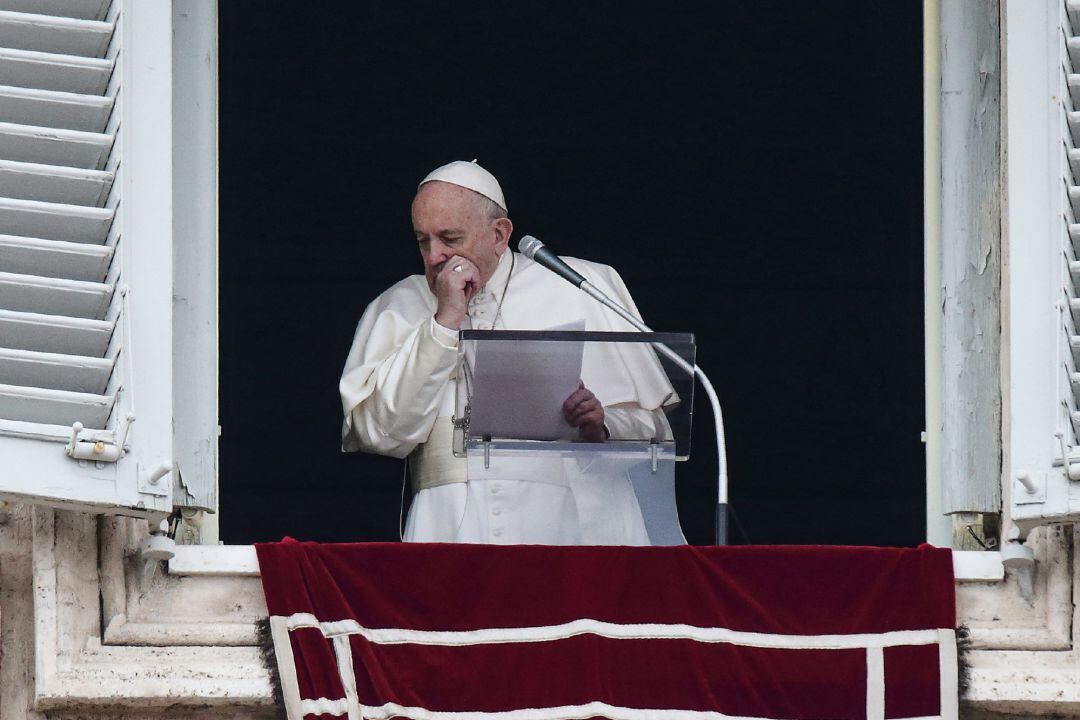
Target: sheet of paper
column 519, row 387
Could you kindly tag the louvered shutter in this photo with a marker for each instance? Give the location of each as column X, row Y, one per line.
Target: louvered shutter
column 1041, row 274
column 86, row 253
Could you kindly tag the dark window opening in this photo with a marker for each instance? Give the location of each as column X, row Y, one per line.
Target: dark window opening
column 752, row 170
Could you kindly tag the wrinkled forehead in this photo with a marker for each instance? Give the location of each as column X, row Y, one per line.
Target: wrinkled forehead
column 439, row 204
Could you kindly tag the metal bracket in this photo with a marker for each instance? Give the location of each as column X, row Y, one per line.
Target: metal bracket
column 487, row 452
column 154, row 482
column 461, row 426
column 1029, row 490
column 1070, row 466
column 99, row 451
column 654, row 452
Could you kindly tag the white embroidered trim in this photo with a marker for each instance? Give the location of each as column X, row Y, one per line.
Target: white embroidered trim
column 340, row 630
column 324, row 706
column 290, row 687
column 947, row 671
column 567, row 712
column 585, row 626
column 875, row 683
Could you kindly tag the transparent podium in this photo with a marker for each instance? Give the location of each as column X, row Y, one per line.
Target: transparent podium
column 509, row 420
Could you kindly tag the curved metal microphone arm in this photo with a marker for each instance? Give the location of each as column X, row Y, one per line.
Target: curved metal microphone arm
column 714, row 401
column 533, row 249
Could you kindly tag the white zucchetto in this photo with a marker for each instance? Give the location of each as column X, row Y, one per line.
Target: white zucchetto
column 470, row 176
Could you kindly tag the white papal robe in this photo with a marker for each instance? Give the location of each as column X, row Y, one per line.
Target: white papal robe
column 399, row 389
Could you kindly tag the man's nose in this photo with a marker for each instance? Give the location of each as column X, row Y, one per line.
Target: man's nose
column 437, row 252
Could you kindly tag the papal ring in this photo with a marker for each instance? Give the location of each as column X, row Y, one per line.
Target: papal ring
column 457, row 268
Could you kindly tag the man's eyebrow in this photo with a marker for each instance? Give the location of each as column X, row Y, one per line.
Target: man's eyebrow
column 440, row 233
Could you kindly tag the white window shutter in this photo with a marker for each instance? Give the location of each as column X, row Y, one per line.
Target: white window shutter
column 86, row 254
column 1041, row 275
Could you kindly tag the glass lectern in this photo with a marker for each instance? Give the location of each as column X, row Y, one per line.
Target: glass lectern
column 509, row 419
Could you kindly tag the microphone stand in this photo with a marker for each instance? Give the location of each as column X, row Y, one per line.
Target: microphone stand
column 718, row 416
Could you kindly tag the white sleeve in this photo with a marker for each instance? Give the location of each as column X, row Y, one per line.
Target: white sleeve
column 627, row 421
column 394, row 382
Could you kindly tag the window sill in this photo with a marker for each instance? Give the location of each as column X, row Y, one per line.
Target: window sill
column 240, row 560
column 214, row 560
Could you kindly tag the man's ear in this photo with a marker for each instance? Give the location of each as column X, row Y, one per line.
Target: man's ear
column 503, row 229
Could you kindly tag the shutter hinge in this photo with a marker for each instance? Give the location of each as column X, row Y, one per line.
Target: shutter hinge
column 100, row 451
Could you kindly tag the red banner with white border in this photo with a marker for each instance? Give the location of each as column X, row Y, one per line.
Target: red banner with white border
column 481, row 632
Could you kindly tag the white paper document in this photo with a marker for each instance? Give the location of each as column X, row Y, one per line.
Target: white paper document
column 519, row 387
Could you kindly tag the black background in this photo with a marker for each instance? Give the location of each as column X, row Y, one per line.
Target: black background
column 752, row 169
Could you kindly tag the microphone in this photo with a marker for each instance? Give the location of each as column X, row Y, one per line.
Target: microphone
column 533, row 249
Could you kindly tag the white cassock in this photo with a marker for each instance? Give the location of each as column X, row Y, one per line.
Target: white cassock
column 399, row 391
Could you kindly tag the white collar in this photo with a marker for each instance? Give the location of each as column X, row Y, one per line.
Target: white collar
column 493, row 289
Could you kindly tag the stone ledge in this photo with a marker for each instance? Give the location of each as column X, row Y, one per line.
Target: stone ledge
column 240, row 560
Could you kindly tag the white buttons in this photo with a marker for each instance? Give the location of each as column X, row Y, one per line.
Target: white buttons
column 496, row 489
column 496, row 511
column 497, row 532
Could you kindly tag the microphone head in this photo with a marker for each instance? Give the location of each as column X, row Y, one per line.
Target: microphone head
column 528, row 245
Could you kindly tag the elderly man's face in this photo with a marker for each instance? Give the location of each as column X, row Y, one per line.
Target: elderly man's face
column 450, row 220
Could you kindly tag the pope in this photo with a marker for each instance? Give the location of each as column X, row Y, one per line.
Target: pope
column 400, row 384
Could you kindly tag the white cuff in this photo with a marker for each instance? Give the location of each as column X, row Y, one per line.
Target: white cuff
column 443, row 335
